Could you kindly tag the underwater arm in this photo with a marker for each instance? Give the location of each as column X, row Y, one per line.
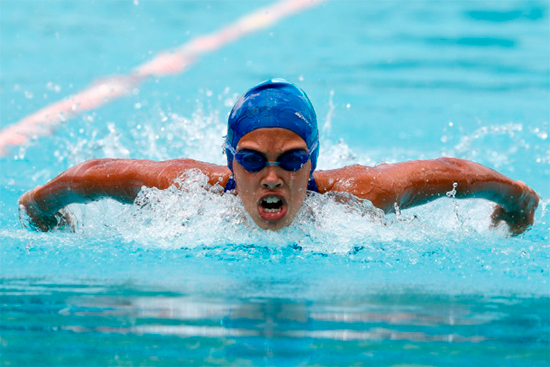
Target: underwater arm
column 118, row 179
column 413, row 183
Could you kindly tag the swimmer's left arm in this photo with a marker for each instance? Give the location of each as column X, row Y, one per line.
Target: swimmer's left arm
column 413, row 183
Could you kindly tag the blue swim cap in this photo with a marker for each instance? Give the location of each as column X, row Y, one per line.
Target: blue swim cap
column 273, row 103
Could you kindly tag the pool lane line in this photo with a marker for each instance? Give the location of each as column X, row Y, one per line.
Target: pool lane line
column 104, row 90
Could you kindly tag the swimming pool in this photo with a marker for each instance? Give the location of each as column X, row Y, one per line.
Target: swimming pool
column 186, row 278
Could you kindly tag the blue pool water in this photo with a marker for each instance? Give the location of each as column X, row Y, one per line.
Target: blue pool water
column 187, row 279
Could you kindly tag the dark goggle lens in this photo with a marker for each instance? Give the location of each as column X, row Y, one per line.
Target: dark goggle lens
column 289, row 161
column 251, row 161
column 293, row 160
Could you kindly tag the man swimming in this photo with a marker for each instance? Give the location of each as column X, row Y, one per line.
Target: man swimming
column 272, row 146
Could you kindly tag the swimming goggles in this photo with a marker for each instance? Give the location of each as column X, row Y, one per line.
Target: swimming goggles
column 253, row 161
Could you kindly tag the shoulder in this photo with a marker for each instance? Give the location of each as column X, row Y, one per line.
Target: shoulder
column 347, row 179
column 217, row 174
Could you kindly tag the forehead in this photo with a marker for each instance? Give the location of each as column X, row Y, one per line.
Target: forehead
column 271, row 139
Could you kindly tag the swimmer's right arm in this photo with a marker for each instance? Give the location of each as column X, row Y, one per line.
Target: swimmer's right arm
column 119, row 179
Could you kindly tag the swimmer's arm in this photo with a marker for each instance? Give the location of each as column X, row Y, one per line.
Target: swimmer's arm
column 413, row 183
column 118, row 179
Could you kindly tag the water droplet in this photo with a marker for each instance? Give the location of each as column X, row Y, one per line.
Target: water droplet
column 29, row 95
column 53, row 87
column 451, row 123
column 348, row 106
column 137, row 106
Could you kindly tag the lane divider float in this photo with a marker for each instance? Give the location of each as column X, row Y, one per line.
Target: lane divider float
column 45, row 121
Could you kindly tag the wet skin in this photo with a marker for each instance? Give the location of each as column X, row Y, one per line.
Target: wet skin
column 406, row 183
column 272, row 182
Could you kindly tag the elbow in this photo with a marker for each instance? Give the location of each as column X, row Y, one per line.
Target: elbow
column 84, row 179
column 88, row 171
column 86, row 166
column 453, row 162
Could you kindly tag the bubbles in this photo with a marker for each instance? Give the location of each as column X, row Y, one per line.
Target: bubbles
column 448, row 237
column 466, row 141
column 513, row 149
column 186, row 214
column 540, row 133
column 193, row 219
column 51, row 86
column 452, row 193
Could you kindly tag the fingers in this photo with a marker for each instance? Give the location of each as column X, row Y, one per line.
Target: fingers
column 30, row 219
column 529, row 200
column 65, row 220
column 517, row 222
column 518, row 211
column 62, row 220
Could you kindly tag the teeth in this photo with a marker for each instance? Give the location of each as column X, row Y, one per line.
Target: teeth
column 272, row 199
column 272, row 210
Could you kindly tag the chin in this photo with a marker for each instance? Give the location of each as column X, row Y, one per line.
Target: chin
column 273, row 225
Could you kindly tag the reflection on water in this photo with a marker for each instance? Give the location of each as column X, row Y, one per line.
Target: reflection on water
column 157, row 285
column 140, row 320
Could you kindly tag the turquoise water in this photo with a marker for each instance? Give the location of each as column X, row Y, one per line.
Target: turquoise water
column 186, row 278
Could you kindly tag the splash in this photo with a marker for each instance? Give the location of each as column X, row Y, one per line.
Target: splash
column 184, row 215
column 503, row 145
column 447, row 242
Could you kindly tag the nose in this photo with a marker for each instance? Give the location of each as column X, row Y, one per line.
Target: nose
column 272, row 180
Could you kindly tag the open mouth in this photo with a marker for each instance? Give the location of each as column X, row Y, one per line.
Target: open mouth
column 272, row 208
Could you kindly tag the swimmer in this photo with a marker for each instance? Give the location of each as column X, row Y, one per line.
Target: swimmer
column 272, row 146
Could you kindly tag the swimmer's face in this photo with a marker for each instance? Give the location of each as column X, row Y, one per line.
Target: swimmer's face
column 272, row 196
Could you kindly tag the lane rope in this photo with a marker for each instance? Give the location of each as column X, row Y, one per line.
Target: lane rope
column 104, row 90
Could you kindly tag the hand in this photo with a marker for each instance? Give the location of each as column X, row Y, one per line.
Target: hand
column 32, row 217
column 519, row 216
